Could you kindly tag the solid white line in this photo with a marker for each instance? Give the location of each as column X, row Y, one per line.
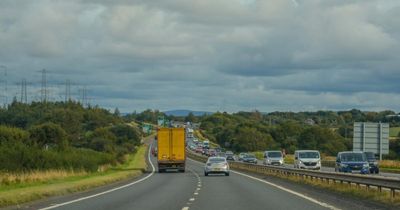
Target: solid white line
column 108, row 191
column 283, row 188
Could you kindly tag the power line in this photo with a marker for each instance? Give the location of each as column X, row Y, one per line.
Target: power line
column 67, row 90
column 24, row 92
column 5, row 85
column 44, row 87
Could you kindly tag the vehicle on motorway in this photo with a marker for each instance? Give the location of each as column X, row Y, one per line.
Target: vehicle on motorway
column 307, row 159
column 249, row 158
column 241, row 155
column 212, row 152
column 206, row 144
column 205, row 152
column 154, row 151
column 373, row 163
column 230, row 156
column 216, row 165
column 221, row 154
column 352, row 162
column 171, row 149
column 273, row 158
column 199, row 149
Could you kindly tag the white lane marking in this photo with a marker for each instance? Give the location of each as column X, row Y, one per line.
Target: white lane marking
column 289, row 191
column 192, row 199
column 108, row 191
column 196, row 193
column 283, row 188
column 185, row 208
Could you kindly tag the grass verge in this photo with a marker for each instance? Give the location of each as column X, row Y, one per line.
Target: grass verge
column 342, row 188
column 26, row 192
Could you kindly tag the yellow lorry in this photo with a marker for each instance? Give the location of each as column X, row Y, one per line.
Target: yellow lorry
column 171, row 149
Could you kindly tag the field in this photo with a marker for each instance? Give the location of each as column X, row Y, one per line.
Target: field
column 20, row 188
column 394, row 131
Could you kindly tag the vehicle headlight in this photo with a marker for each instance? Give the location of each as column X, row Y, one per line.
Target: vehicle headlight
column 375, row 163
column 319, row 162
column 343, row 165
column 366, row 165
column 281, row 161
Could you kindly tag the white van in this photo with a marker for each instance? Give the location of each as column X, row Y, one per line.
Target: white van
column 307, row 159
column 273, row 158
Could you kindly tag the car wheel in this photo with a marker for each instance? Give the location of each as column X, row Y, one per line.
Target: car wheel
column 377, row 171
column 205, row 174
column 160, row 170
column 227, row 174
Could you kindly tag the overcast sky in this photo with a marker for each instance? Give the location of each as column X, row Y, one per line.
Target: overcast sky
column 209, row 55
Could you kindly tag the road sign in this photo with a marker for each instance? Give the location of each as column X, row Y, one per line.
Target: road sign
column 371, row 137
column 161, row 121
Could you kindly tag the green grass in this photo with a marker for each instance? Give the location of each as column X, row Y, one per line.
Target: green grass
column 15, row 194
column 394, row 132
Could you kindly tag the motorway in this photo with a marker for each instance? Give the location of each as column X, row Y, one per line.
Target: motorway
column 192, row 190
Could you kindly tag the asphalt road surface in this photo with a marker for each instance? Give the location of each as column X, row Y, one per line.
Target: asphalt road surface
column 192, row 190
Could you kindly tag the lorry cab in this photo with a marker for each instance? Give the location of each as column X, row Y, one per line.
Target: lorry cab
column 307, row 159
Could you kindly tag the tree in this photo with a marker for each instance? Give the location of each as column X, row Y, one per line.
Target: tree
column 190, row 117
column 48, row 134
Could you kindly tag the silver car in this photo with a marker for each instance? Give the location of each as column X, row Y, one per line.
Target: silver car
column 273, row 158
column 216, row 165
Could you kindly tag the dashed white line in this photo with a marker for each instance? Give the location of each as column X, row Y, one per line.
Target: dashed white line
column 108, row 191
column 192, row 199
column 283, row 188
column 185, row 208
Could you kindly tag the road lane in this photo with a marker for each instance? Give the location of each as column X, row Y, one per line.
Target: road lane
column 162, row 191
column 240, row 192
column 192, row 190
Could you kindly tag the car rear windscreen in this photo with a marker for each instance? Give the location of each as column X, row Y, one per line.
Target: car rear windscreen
column 309, row 155
column 353, row 157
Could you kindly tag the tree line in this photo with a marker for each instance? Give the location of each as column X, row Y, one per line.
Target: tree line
column 63, row 135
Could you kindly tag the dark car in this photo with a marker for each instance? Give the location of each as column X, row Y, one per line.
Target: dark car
column 352, row 162
column 230, row 156
column 373, row 163
column 249, row 158
column 212, row 153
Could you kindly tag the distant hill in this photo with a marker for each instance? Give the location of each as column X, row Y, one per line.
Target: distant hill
column 183, row 113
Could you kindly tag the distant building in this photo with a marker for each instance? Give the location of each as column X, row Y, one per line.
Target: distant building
column 309, row 121
column 392, row 115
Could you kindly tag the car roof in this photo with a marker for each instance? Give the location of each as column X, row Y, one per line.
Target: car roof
column 360, row 152
column 273, row 151
column 307, row 151
column 210, row 158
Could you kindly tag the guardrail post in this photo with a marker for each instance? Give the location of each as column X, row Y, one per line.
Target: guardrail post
column 392, row 193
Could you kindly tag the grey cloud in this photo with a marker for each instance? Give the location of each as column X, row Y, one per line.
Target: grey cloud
column 207, row 54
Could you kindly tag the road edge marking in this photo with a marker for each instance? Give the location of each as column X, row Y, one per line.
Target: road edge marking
column 108, row 191
column 283, row 188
